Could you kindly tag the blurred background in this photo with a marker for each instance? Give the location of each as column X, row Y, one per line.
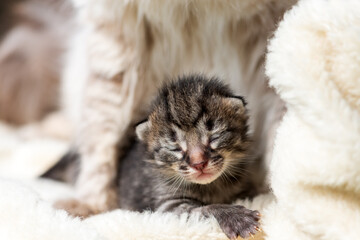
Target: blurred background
column 34, row 35
column 33, row 39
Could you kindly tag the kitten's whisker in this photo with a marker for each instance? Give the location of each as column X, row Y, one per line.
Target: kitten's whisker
column 240, row 170
column 225, row 178
column 236, row 173
column 180, row 182
column 175, row 183
column 238, row 167
column 172, row 181
column 173, row 187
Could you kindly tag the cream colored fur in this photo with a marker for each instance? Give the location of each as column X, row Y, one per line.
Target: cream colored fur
column 131, row 47
column 314, row 65
column 36, row 219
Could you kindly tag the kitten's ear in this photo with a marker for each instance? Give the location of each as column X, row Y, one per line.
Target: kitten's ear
column 241, row 98
column 142, row 129
column 238, row 102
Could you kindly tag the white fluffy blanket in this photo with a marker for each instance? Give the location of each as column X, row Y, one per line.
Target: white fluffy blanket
column 314, row 64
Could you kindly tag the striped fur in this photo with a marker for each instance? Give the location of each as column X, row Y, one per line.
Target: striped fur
column 192, row 112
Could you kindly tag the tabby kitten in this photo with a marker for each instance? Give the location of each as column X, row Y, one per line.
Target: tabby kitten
column 126, row 49
column 193, row 156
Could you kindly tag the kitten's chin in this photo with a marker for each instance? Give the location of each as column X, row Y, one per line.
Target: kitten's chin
column 204, row 177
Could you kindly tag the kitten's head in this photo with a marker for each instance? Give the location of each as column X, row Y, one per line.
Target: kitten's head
column 197, row 130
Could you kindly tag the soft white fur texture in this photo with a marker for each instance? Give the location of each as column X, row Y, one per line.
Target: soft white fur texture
column 26, row 215
column 314, row 65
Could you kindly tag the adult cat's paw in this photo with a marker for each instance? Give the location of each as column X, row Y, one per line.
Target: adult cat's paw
column 75, row 208
column 235, row 220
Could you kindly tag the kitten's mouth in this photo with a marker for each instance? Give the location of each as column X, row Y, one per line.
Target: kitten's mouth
column 203, row 169
column 205, row 176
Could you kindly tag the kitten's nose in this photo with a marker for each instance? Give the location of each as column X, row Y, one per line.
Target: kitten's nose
column 199, row 166
column 198, row 159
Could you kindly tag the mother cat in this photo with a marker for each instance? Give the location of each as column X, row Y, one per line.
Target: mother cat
column 128, row 48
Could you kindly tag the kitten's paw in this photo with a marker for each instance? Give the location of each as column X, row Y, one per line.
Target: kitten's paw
column 75, row 208
column 237, row 220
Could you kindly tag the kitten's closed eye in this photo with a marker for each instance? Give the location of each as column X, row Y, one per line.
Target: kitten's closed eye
column 174, row 148
column 214, row 138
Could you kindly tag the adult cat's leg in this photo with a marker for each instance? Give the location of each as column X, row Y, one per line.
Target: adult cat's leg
column 116, row 88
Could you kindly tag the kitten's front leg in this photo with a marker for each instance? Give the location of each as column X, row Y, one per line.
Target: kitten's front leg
column 234, row 220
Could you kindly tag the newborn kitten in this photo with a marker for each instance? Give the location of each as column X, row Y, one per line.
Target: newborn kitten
column 192, row 156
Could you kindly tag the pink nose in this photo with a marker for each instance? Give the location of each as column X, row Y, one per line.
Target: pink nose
column 198, row 160
column 199, row 166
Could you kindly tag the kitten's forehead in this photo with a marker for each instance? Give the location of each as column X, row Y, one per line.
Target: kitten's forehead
column 203, row 105
column 184, row 107
column 185, row 101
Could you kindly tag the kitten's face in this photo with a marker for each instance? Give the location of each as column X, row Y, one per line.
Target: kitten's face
column 200, row 141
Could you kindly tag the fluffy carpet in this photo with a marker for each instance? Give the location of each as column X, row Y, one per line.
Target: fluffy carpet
column 314, row 65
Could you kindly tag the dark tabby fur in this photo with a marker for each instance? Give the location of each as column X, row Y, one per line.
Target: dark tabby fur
column 196, row 126
column 195, row 123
